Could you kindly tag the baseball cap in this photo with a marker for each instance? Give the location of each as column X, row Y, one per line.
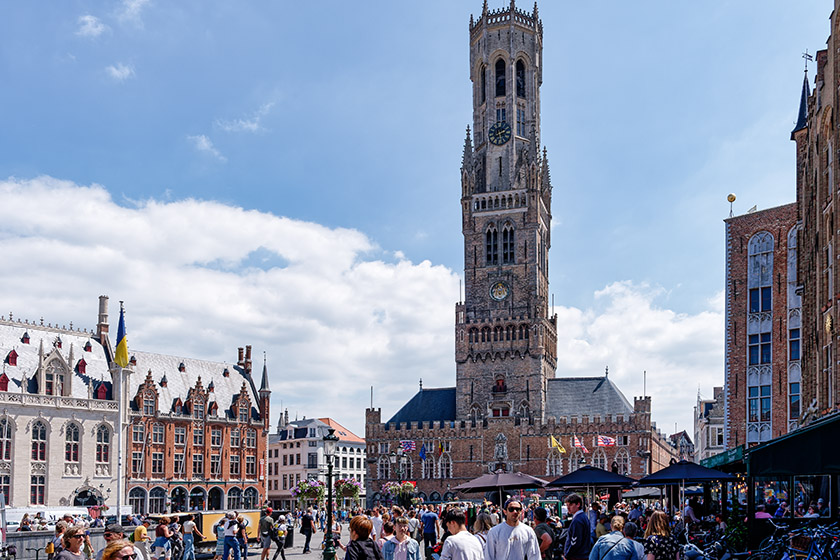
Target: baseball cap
column 114, row 528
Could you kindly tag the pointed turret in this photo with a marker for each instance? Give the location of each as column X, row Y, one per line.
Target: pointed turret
column 467, row 159
column 264, row 382
column 802, row 119
column 546, row 175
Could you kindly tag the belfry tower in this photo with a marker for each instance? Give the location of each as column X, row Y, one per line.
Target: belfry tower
column 506, row 343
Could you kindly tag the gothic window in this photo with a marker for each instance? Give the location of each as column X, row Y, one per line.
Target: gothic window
column 759, row 403
column 251, row 438
column 507, row 245
column 157, row 464
column 198, row 465
column 383, row 471
column 4, row 382
column 554, row 463
column 575, row 460
column 234, row 437
column 475, row 413
column 520, row 79
column 599, row 459
column 622, row 459
column 492, row 246
column 794, row 401
column 445, row 466
column 54, row 377
column 251, row 497
column 234, row 466
column 103, row 444
column 524, row 410
column 482, row 77
column 429, row 467
column 497, row 334
column 234, row 499
column 243, row 411
column 520, row 121
column 500, row 78
column 39, row 442
column 501, row 115
column 71, row 444
column 5, row 440
column 760, row 272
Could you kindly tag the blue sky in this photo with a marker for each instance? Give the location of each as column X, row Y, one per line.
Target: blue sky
column 350, row 117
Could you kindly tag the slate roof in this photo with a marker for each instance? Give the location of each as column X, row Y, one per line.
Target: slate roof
column 802, row 119
column 96, row 369
column 585, row 396
column 428, row 405
column 178, row 383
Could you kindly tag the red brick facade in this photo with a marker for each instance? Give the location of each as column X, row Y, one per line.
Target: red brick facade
column 763, row 326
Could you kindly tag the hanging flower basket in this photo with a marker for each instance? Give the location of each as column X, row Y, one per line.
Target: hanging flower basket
column 309, row 490
column 347, row 488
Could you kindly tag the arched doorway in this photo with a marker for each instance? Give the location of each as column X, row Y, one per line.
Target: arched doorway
column 197, row 498
column 434, row 497
column 87, row 498
column 178, row 499
column 215, row 499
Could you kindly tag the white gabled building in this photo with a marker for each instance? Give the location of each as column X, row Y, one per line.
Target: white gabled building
column 58, row 410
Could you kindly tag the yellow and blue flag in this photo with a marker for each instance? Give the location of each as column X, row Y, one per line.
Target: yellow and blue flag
column 121, row 353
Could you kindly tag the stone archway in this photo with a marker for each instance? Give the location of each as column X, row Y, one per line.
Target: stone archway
column 87, row 497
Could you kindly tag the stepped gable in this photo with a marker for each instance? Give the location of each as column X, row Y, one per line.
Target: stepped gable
column 226, row 390
column 428, row 405
column 72, row 350
column 585, row 396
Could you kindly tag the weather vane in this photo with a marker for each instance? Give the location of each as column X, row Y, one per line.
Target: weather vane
column 808, row 58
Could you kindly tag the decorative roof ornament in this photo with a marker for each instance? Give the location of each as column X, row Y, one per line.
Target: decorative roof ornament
column 467, row 158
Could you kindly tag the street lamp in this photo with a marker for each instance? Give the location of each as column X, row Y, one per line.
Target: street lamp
column 330, row 443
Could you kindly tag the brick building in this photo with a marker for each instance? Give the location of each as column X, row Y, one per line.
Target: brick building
column 197, row 434
column 817, row 141
column 507, row 400
column 763, row 326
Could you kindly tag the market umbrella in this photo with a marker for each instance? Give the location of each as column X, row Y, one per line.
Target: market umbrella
column 589, row 476
column 592, row 476
column 498, row 481
column 682, row 472
column 642, row 493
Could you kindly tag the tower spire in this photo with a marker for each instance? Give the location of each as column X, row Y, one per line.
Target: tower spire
column 802, row 119
column 264, row 382
column 467, row 160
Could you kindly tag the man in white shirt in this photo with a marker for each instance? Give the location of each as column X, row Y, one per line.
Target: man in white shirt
column 461, row 544
column 377, row 524
column 512, row 540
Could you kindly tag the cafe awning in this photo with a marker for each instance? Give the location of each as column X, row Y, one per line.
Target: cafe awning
column 806, row 451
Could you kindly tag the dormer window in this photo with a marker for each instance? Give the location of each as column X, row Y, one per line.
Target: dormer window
column 213, row 409
column 4, row 383
column 58, row 342
column 132, row 361
column 87, row 346
column 198, row 409
column 211, row 387
column 243, row 411
column 179, row 406
column 11, row 359
column 102, row 392
column 226, row 373
column 181, row 367
column 81, row 366
column 163, row 381
column 148, row 405
column 25, row 338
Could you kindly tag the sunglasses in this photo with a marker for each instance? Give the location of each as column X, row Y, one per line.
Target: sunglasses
column 513, row 509
column 77, row 537
column 128, row 556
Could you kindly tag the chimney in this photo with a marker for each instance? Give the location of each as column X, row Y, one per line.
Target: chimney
column 241, row 361
column 102, row 323
column 248, row 358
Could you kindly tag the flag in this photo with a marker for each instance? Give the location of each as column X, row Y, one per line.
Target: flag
column 577, row 443
column 604, row 441
column 422, row 452
column 552, row 442
column 121, row 352
column 440, row 449
column 408, row 445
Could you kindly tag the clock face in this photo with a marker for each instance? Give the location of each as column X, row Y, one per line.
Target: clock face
column 499, row 291
column 499, row 133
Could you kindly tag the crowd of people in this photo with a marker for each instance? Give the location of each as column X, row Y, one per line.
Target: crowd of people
column 510, row 532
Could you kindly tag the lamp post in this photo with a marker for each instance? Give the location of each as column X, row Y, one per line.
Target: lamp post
column 330, row 442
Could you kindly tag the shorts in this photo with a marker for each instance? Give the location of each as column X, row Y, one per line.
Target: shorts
column 265, row 541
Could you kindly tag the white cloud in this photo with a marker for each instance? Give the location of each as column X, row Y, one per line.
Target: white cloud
column 252, row 123
column 334, row 313
column 120, row 72
column 203, row 144
column 131, row 10
column 90, row 26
